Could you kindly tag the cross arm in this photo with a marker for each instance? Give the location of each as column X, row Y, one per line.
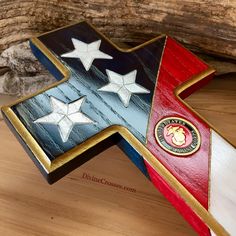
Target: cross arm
column 106, row 95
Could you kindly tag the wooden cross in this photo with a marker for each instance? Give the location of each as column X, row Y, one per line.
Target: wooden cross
column 132, row 98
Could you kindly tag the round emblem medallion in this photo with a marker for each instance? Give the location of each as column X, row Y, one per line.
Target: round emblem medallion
column 177, row 136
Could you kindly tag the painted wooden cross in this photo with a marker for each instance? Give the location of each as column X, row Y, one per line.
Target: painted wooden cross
column 107, row 95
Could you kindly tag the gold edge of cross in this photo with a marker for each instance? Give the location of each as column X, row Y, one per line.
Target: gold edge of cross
column 49, row 166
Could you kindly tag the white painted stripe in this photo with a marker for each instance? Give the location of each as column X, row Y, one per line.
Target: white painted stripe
column 223, row 183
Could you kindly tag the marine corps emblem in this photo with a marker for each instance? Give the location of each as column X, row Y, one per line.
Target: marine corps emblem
column 177, row 136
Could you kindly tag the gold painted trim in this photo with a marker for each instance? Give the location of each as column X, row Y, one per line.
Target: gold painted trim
column 184, row 86
column 209, row 170
column 28, row 139
column 154, row 92
column 186, row 121
column 125, row 50
column 136, row 144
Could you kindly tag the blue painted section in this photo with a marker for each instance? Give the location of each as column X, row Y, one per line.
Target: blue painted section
column 46, row 62
column 105, row 109
column 134, row 156
column 100, row 107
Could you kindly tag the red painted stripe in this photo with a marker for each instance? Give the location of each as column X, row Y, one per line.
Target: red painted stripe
column 178, row 202
column 178, row 66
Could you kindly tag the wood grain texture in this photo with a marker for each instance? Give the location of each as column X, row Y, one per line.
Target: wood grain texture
column 206, row 25
column 105, row 109
column 222, row 189
column 77, row 206
column 217, row 103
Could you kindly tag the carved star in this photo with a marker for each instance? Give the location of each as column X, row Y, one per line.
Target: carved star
column 65, row 116
column 86, row 52
column 123, row 85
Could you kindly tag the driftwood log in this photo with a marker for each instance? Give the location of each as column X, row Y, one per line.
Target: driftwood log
column 20, row 72
column 206, row 25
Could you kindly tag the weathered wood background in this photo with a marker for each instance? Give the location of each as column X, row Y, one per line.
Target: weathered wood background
column 206, row 25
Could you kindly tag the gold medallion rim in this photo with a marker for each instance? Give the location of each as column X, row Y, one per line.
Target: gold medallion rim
column 172, row 152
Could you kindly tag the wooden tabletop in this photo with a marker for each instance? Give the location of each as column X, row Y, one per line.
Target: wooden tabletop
column 80, row 205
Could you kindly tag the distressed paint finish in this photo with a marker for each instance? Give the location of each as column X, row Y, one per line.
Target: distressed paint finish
column 223, row 187
column 65, row 116
column 179, row 66
column 161, row 67
column 106, row 109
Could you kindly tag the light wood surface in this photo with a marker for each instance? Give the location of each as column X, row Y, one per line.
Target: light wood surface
column 78, row 206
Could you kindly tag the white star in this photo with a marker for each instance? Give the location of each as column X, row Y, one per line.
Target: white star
column 123, row 85
column 65, row 116
column 86, row 52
